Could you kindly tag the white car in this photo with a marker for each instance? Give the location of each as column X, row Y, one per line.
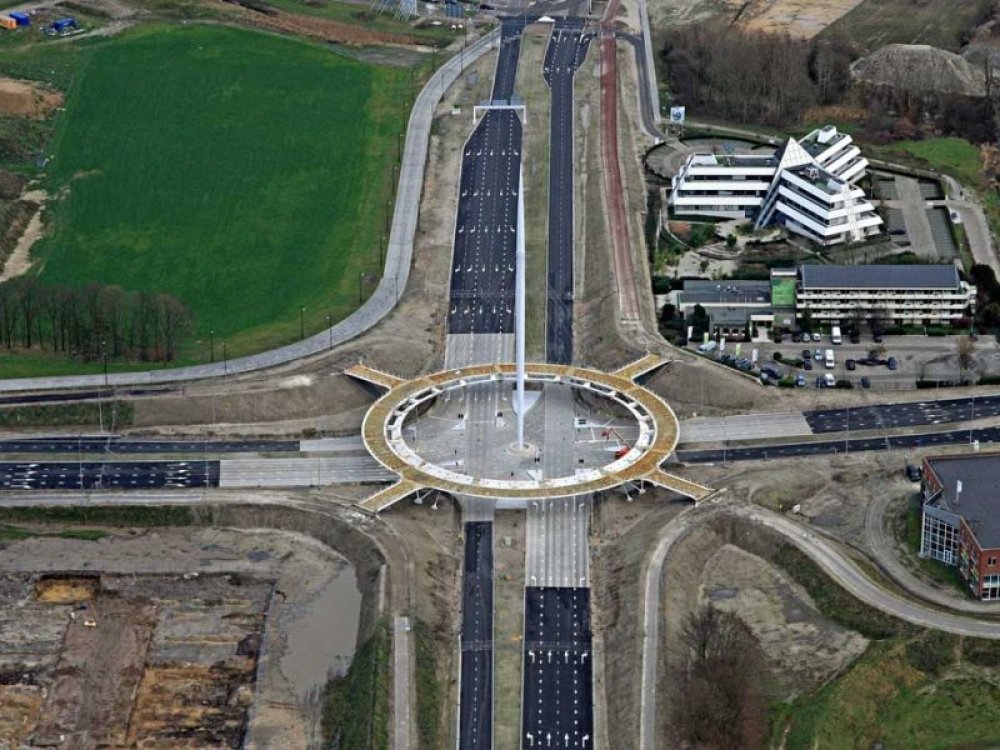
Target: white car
column 817, row 337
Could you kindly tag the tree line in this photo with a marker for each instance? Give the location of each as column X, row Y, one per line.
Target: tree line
column 91, row 322
column 755, row 77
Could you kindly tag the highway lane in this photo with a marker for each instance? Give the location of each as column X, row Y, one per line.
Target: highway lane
column 557, row 709
column 564, row 55
column 476, row 710
column 851, row 445
column 905, row 414
column 482, row 276
column 107, row 475
column 121, row 445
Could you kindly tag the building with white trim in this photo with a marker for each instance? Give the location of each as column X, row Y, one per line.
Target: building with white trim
column 806, row 186
column 896, row 295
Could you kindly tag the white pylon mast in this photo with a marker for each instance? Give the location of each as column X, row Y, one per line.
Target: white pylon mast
column 519, row 281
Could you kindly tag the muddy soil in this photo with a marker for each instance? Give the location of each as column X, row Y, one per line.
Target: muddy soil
column 27, row 99
column 183, row 628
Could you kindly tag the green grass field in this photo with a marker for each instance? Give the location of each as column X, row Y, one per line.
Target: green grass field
column 244, row 173
column 874, row 23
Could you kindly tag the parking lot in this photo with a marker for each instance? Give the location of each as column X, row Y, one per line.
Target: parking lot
column 917, row 358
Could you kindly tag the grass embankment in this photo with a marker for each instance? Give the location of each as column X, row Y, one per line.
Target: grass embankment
column 940, row 23
column 118, row 413
column 913, row 688
column 121, row 517
column 359, row 15
column 356, row 705
column 430, row 690
column 248, row 176
column 17, row 533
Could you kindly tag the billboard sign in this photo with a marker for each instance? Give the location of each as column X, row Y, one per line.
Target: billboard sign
column 677, row 115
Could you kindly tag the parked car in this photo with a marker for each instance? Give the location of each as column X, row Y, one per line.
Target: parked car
column 855, row 337
column 807, row 354
column 807, row 364
column 866, row 383
column 817, row 337
column 913, row 473
column 818, row 355
column 819, row 382
column 849, row 364
column 778, row 338
column 829, row 381
column 796, row 337
column 877, row 338
column 800, row 381
column 892, row 363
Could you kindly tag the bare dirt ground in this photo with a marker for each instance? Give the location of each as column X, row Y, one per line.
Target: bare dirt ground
column 27, row 99
column 19, row 260
column 802, row 18
column 158, row 646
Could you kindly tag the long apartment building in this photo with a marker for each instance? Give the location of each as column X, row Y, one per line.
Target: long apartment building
column 896, row 295
column 806, row 186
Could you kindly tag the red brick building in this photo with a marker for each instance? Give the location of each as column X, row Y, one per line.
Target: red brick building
column 961, row 518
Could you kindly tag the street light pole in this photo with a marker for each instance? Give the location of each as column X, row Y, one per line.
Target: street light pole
column 329, row 327
column 211, row 344
column 225, row 359
column 302, row 322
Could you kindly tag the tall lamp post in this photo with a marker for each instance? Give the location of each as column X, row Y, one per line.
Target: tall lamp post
column 302, row 322
column 329, row 327
column 211, row 344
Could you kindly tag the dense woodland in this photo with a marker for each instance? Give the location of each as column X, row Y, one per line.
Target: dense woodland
column 774, row 79
column 92, row 322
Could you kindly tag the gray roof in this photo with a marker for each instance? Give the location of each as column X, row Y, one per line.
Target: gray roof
column 879, row 277
column 979, row 501
column 725, row 293
column 730, row 316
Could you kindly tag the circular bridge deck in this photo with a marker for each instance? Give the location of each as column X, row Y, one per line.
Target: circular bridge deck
column 383, row 433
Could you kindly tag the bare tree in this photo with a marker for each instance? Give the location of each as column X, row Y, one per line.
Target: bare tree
column 965, row 347
column 720, row 702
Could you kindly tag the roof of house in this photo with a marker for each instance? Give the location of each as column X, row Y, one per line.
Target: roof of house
column 979, row 501
column 735, row 316
column 880, row 277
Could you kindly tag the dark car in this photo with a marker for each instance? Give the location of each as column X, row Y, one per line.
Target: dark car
column 807, row 364
column 866, row 383
column 807, row 354
column 849, row 364
column 778, row 338
column 877, row 338
column 913, row 473
column 819, row 382
column 796, row 337
column 891, row 363
column 855, row 337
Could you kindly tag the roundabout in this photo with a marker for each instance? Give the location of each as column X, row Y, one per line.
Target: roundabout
column 449, row 431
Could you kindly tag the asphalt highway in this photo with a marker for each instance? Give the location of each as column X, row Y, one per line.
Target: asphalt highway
column 564, row 54
column 908, row 414
column 75, row 475
column 557, row 710
column 851, row 445
column 476, row 711
column 116, row 444
column 482, row 276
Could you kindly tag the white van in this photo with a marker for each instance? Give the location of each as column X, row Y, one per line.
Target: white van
column 828, row 359
column 708, row 346
column 835, row 335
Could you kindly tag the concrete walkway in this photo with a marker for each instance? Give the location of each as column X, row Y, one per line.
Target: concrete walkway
column 401, row 682
column 375, row 308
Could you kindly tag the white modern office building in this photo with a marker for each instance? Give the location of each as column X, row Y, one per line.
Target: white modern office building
column 806, row 186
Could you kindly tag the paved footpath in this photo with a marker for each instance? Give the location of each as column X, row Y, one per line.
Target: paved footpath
column 375, row 308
